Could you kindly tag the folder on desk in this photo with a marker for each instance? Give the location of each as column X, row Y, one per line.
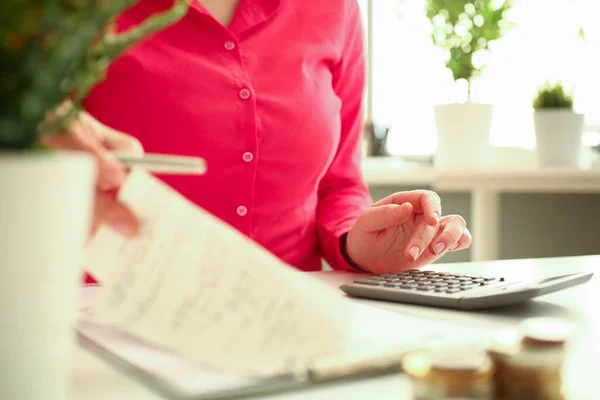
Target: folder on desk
column 386, row 338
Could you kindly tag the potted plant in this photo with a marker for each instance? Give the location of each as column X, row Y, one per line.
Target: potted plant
column 49, row 51
column 558, row 128
column 464, row 29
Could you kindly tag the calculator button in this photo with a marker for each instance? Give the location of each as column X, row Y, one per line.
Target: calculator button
column 440, row 284
column 452, row 290
column 436, row 280
column 407, row 281
column 466, row 284
column 428, row 272
column 464, row 279
column 368, row 282
column 478, row 280
column 488, row 279
column 449, row 281
column 408, row 286
column 444, row 273
column 392, row 284
column 465, row 287
column 425, row 288
column 379, row 278
column 392, row 280
column 439, row 290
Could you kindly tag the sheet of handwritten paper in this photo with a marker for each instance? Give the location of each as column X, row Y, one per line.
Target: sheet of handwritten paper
column 194, row 285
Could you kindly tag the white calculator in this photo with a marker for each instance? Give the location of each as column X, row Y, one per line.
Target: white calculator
column 459, row 291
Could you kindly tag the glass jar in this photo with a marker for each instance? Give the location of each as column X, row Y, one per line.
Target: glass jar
column 450, row 374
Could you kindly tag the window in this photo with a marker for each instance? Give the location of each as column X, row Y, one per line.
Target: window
column 409, row 74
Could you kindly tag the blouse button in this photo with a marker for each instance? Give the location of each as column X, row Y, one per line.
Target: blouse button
column 245, row 94
column 241, row 211
column 229, row 45
column 247, row 156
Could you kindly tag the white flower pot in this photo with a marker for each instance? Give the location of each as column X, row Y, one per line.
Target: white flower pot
column 558, row 135
column 46, row 202
column 463, row 135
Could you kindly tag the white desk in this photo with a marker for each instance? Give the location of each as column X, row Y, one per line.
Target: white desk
column 95, row 380
column 485, row 186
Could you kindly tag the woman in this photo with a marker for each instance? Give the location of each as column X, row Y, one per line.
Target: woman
column 269, row 92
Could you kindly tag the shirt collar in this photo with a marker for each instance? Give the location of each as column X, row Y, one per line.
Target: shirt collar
column 249, row 13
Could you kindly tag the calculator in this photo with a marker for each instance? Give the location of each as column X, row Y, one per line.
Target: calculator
column 458, row 291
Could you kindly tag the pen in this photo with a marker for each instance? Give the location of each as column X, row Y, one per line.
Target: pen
column 164, row 164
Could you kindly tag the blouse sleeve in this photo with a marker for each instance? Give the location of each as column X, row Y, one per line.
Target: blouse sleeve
column 343, row 195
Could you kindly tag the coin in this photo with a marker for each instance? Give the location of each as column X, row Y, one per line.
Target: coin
column 528, row 360
column 456, row 372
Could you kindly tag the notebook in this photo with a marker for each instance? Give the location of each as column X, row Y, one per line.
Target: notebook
column 200, row 311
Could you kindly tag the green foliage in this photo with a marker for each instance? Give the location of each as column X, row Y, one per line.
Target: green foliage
column 51, row 50
column 553, row 96
column 465, row 27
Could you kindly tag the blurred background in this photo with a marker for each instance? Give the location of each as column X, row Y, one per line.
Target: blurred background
column 427, row 53
column 549, row 40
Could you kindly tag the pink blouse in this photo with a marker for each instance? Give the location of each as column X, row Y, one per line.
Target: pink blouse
column 273, row 103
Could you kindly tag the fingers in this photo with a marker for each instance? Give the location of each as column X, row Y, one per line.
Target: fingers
column 85, row 133
column 420, row 240
column 424, row 202
column 107, row 210
column 98, row 140
column 382, row 217
column 81, row 136
column 465, row 241
column 452, row 229
column 110, row 173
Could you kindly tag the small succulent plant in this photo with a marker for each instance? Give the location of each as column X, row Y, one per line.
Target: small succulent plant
column 553, row 96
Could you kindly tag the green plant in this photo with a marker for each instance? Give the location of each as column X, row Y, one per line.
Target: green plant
column 553, row 96
column 52, row 50
column 464, row 28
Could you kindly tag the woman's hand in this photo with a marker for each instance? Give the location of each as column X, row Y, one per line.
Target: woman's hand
column 85, row 133
column 404, row 231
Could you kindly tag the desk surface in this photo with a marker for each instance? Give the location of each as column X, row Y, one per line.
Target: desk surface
column 95, row 380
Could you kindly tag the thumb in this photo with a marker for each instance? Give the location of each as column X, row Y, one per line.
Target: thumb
column 382, row 217
column 108, row 210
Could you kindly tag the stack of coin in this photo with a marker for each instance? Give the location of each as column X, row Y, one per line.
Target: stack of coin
column 450, row 373
column 528, row 361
